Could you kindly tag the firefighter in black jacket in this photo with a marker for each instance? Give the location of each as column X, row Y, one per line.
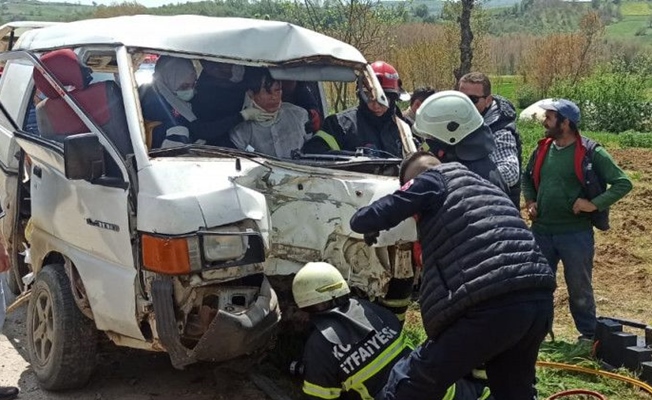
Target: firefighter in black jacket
column 355, row 343
column 486, row 295
column 370, row 126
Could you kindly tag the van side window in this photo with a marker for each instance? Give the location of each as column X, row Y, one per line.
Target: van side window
column 101, row 101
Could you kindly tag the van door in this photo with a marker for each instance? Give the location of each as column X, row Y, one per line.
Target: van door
column 86, row 221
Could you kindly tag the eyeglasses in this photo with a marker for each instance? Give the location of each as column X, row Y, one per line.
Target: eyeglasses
column 475, row 99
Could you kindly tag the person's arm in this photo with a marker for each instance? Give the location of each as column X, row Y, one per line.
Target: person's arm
column 327, row 139
column 618, row 182
column 320, row 376
column 506, row 156
column 528, row 189
column 527, row 183
column 427, row 191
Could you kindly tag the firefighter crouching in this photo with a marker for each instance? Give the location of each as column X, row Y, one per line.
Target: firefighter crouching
column 355, row 343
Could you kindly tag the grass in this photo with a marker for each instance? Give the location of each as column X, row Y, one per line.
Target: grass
column 628, row 27
column 635, row 8
column 553, row 380
column 506, row 85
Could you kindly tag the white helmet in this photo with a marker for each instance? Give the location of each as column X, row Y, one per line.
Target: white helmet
column 448, row 116
column 318, row 282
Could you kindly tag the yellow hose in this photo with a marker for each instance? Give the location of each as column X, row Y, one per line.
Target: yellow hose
column 642, row 385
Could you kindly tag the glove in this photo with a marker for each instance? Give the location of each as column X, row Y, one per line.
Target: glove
column 371, row 238
column 176, row 136
column 251, row 114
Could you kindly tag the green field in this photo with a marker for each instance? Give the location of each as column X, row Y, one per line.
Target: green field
column 635, row 8
column 506, row 85
column 628, row 27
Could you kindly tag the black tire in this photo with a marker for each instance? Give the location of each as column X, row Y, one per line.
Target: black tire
column 61, row 341
column 12, row 283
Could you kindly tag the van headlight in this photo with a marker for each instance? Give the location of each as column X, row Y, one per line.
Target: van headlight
column 220, row 245
column 229, row 246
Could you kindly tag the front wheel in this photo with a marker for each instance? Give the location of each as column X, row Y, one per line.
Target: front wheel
column 62, row 342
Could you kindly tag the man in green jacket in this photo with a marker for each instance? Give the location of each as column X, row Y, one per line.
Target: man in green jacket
column 569, row 184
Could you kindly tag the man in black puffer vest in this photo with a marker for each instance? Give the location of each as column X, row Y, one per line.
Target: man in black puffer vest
column 487, row 290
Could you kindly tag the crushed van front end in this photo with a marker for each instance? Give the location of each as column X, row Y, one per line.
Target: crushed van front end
column 222, row 323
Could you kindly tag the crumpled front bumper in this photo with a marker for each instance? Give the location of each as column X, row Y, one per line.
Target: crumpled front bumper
column 228, row 336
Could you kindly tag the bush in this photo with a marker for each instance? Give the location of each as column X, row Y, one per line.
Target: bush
column 526, row 95
column 635, row 139
column 611, row 102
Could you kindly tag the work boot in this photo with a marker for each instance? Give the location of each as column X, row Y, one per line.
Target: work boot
column 8, row 392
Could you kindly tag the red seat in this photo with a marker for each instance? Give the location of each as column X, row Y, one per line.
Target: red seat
column 101, row 101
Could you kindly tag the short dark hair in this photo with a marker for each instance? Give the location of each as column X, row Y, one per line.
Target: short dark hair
column 572, row 125
column 421, row 93
column 409, row 160
column 477, row 77
column 258, row 79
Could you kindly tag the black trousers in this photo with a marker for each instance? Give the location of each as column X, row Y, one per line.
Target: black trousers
column 503, row 336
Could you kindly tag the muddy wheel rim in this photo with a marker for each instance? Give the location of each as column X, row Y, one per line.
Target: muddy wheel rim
column 43, row 328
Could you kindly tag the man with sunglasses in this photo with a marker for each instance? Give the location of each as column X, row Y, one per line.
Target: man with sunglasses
column 500, row 115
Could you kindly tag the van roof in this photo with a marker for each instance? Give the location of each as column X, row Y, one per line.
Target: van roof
column 249, row 40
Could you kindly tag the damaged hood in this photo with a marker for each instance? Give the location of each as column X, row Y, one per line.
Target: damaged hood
column 310, row 210
column 180, row 196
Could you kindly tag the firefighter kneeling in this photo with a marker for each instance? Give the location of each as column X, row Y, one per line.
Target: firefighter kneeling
column 355, row 343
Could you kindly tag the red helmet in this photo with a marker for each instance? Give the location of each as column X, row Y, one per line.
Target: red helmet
column 387, row 76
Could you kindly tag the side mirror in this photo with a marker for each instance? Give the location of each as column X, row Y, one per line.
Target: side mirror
column 83, row 157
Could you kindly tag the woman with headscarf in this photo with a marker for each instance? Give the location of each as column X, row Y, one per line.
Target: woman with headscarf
column 166, row 102
column 270, row 126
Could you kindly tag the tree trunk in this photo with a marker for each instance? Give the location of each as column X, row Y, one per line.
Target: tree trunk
column 466, row 40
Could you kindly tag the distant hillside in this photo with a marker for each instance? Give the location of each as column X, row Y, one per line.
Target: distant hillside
column 539, row 17
column 635, row 23
column 435, row 6
column 21, row 10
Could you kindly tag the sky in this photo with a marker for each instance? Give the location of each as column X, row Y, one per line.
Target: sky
column 146, row 3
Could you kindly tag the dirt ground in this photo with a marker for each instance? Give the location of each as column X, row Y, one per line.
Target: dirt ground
column 622, row 282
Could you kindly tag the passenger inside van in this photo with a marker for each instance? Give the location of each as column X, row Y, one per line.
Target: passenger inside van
column 31, row 124
column 300, row 94
column 271, row 126
column 219, row 95
column 166, row 102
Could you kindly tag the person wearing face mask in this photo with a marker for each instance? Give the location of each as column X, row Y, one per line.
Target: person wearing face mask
column 166, row 102
column 270, row 126
column 369, row 125
column 219, row 95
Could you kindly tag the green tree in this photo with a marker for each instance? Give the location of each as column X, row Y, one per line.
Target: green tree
column 421, row 11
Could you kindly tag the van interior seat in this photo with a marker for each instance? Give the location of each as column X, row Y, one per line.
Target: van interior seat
column 102, row 101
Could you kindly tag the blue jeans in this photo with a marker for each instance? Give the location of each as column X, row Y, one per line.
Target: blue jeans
column 576, row 251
